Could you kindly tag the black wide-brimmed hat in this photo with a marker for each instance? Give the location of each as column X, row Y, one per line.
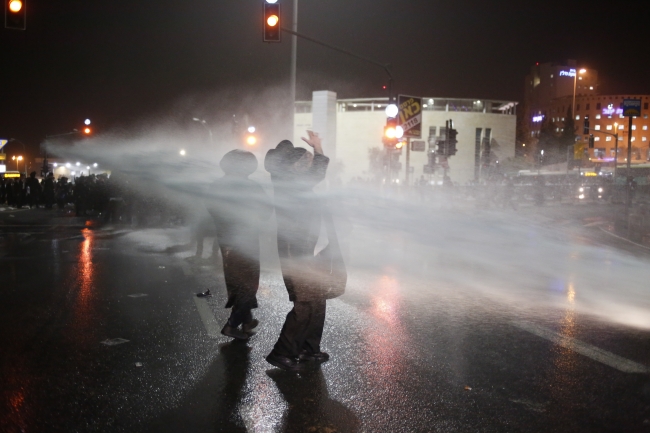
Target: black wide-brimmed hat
column 282, row 157
column 239, row 162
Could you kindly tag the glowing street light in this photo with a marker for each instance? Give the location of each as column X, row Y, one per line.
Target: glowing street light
column 182, row 152
column 87, row 122
column 17, row 158
column 15, row 6
column 205, row 125
column 392, row 110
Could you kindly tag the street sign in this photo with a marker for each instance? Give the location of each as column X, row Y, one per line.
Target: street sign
column 631, row 107
column 3, row 156
column 410, row 115
column 3, row 142
column 417, row 146
column 578, row 150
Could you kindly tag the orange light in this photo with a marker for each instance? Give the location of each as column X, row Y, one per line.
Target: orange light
column 399, row 145
column 390, row 133
column 251, row 140
column 15, row 6
column 272, row 20
column 87, row 131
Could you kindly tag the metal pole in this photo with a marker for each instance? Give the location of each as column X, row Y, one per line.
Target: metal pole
column 573, row 106
column 408, row 161
column 628, row 201
column 294, row 54
column 615, row 154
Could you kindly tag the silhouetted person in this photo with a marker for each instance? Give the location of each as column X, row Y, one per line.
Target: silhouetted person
column 295, row 172
column 48, row 191
column 32, row 190
column 238, row 206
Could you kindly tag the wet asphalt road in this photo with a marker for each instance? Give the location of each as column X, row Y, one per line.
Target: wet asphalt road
column 433, row 335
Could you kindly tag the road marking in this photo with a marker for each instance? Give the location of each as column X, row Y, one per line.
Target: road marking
column 207, row 317
column 593, row 352
column 622, row 238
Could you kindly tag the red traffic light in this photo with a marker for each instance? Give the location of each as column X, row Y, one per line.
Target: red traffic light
column 272, row 22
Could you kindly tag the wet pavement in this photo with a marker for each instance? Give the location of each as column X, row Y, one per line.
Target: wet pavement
column 453, row 321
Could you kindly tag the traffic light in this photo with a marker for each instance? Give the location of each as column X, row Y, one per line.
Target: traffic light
column 442, row 147
column 251, row 138
column 271, row 21
column 585, row 130
column 591, row 141
column 16, row 14
column 392, row 133
column 451, row 142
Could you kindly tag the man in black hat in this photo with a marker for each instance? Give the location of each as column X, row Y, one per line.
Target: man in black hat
column 238, row 206
column 295, row 172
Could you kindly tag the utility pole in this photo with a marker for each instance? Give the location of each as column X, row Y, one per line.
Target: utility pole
column 294, row 56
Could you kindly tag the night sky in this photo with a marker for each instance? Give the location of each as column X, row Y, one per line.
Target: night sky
column 120, row 62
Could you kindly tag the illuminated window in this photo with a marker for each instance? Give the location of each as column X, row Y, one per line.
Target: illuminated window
column 633, row 138
column 597, row 127
column 634, row 127
column 608, row 138
column 620, row 138
column 645, row 127
column 596, row 138
column 621, row 127
column 609, row 127
column 578, row 117
column 621, row 116
column 563, row 119
column 644, row 138
column 597, row 116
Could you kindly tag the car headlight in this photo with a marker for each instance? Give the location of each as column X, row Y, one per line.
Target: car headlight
column 600, row 190
column 581, row 189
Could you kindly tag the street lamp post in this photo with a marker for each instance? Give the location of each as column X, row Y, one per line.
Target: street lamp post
column 24, row 152
column 575, row 82
column 205, row 125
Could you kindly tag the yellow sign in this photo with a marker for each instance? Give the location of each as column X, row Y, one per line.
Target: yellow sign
column 11, row 175
column 578, row 150
column 591, row 174
column 3, row 156
column 410, row 115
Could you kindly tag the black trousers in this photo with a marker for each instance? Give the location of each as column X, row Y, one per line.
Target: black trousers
column 303, row 328
column 240, row 314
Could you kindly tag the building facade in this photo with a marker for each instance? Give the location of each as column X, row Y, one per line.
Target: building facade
column 549, row 82
column 359, row 126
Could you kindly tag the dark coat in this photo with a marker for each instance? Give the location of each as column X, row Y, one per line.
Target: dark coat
column 238, row 206
column 298, row 213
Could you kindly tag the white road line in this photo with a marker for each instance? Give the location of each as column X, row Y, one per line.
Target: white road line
column 622, row 238
column 593, row 352
column 207, row 317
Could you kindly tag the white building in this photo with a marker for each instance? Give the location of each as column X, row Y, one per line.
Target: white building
column 357, row 126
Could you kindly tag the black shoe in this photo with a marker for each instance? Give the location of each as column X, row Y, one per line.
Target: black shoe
column 204, row 295
column 319, row 357
column 284, row 362
column 229, row 331
column 250, row 326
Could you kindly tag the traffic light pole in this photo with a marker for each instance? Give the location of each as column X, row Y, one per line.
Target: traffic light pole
column 294, row 60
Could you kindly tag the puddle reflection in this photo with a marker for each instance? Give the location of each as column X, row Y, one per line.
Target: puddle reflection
column 310, row 408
